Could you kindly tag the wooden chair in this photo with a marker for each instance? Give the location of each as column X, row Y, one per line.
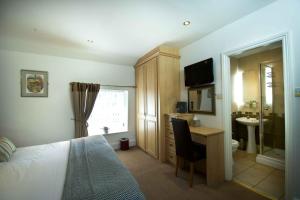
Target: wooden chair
column 186, row 149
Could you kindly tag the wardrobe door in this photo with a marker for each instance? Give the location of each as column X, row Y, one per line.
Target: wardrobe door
column 140, row 99
column 151, row 108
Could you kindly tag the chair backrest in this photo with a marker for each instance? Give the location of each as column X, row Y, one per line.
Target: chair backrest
column 183, row 138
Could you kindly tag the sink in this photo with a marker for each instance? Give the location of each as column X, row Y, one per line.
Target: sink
column 250, row 123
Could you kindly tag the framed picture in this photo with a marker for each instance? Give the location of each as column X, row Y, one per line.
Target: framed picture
column 34, row 83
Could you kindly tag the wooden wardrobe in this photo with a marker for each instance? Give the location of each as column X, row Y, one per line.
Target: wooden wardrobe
column 158, row 89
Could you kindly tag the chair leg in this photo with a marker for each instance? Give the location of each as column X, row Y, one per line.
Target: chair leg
column 182, row 163
column 177, row 165
column 191, row 173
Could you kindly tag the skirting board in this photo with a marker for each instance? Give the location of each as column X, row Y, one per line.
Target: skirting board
column 116, row 145
column 278, row 164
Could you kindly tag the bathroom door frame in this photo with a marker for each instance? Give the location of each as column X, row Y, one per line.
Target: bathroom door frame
column 288, row 98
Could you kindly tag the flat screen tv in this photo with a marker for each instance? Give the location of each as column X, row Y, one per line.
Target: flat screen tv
column 199, row 73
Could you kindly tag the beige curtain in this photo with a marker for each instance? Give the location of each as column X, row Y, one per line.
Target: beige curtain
column 83, row 97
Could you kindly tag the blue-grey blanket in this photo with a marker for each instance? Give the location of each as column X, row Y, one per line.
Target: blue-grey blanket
column 94, row 172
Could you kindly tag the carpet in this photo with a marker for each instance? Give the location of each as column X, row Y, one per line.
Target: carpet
column 158, row 182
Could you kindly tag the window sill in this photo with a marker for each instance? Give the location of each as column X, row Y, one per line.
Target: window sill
column 105, row 134
column 113, row 133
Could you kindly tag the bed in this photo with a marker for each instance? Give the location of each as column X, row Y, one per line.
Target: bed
column 84, row 168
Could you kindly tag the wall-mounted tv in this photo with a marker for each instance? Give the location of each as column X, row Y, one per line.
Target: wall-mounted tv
column 199, row 73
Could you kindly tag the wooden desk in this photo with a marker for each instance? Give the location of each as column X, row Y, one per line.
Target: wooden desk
column 214, row 141
column 211, row 137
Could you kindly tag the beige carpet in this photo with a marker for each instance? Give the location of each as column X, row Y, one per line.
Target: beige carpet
column 158, row 182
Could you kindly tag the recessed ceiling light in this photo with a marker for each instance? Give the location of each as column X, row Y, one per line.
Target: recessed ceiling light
column 186, row 23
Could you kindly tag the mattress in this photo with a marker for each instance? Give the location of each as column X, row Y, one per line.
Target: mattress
column 35, row 172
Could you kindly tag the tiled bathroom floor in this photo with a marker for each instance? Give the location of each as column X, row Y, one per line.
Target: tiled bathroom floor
column 262, row 179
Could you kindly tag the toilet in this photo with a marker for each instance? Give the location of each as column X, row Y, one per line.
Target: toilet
column 235, row 145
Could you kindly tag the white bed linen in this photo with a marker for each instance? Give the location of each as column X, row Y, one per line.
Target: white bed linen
column 35, row 172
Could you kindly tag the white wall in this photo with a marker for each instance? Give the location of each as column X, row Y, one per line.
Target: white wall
column 279, row 17
column 33, row 120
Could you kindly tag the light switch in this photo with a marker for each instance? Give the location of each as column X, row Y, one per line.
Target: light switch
column 297, row 92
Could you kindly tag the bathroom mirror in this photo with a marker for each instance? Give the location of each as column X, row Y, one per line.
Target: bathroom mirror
column 202, row 100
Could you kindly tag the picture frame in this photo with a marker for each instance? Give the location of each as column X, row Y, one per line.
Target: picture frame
column 34, row 83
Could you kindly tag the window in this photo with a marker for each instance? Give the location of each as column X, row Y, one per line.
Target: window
column 110, row 110
column 238, row 89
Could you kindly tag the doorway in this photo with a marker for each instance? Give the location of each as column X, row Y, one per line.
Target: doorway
column 258, row 119
column 266, row 149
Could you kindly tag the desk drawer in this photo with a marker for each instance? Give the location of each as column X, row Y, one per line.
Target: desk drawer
column 169, row 134
column 170, row 144
column 170, row 127
column 171, row 157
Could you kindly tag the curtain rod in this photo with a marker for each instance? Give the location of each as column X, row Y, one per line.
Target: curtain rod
column 127, row 86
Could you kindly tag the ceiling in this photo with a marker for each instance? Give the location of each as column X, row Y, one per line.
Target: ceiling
column 114, row 31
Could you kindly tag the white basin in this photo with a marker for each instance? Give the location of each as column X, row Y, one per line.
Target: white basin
column 250, row 123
